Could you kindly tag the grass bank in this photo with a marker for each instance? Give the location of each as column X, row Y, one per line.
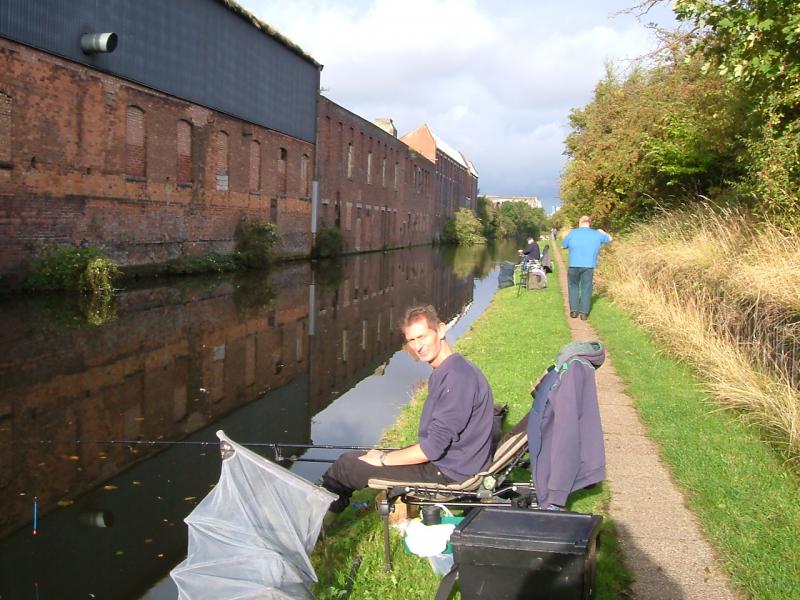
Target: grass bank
column 742, row 490
column 722, row 293
column 512, row 342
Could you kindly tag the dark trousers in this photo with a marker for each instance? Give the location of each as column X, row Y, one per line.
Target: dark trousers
column 349, row 473
column 579, row 288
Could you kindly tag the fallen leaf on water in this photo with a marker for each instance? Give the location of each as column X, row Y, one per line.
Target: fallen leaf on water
column 148, row 541
column 109, row 488
column 73, row 457
column 137, row 482
column 102, row 456
column 65, row 503
column 190, row 498
column 139, row 419
column 120, row 552
column 160, row 556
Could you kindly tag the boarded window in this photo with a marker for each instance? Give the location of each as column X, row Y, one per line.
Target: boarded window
column 221, row 146
column 184, row 158
column 5, row 127
column 283, row 156
column 255, row 166
column 396, row 174
column 369, row 168
column 304, row 161
column 135, row 138
column 383, row 172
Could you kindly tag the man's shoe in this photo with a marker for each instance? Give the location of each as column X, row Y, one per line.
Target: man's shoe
column 338, row 505
column 573, row 314
column 583, row 316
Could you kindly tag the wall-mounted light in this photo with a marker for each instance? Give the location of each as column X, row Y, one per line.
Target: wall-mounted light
column 92, row 43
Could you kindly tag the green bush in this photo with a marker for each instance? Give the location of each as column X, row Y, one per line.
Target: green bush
column 61, row 267
column 464, row 229
column 256, row 243
column 329, row 242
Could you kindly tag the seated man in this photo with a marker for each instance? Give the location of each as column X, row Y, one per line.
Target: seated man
column 455, row 429
column 532, row 252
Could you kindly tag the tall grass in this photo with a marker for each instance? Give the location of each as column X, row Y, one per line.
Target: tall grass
column 722, row 293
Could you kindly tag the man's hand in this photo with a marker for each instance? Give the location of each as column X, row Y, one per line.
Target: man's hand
column 373, row 457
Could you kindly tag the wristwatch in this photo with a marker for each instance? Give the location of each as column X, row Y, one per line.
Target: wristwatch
column 382, row 459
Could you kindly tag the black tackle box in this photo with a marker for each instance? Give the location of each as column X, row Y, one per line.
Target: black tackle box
column 510, row 554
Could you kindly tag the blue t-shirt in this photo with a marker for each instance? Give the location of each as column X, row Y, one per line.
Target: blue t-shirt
column 584, row 246
column 455, row 429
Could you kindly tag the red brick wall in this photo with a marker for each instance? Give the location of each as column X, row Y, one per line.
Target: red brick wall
column 71, row 171
column 372, row 212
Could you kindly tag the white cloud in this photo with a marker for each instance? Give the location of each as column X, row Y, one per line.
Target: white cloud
column 494, row 79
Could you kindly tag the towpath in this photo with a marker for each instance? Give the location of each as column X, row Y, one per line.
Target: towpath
column 660, row 537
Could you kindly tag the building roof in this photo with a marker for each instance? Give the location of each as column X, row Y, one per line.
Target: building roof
column 449, row 150
column 470, row 167
column 269, row 30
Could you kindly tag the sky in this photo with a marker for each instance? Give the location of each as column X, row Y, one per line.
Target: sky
column 494, row 79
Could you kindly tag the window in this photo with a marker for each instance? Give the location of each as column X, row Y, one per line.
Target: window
column 5, row 128
column 396, row 173
column 183, row 170
column 135, row 153
column 350, row 160
column 220, row 149
column 383, row 172
column 369, row 168
column 304, row 160
column 283, row 156
column 255, row 166
column 273, row 210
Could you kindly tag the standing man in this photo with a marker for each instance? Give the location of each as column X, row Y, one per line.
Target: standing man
column 455, row 428
column 584, row 246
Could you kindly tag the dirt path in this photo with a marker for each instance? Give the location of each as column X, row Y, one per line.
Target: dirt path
column 660, row 537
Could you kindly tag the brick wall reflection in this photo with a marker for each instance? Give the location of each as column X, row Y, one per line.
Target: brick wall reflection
column 178, row 358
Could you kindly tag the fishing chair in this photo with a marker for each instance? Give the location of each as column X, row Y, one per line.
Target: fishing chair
column 491, row 487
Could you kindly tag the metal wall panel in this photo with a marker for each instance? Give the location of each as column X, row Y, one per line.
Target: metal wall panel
column 198, row 50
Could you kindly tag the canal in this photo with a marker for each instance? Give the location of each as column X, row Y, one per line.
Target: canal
column 308, row 353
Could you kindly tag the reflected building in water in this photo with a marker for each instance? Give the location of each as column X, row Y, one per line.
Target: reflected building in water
column 258, row 356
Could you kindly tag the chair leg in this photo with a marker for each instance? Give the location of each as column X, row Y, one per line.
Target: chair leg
column 385, row 506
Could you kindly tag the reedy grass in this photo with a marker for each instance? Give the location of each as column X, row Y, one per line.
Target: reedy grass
column 512, row 342
column 744, row 494
column 697, row 281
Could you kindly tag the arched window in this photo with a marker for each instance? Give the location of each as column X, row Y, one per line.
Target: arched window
column 5, row 128
column 255, row 166
column 221, row 146
column 135, row 143
column 350, row 156
column 282, row 174
column 184, row 152
column 304, row 162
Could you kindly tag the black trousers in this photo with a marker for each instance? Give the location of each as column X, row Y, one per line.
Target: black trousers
column 349, row 473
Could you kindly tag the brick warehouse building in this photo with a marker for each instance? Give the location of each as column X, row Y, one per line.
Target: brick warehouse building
column 456, row 183
column 200, row 116
column 372, row 185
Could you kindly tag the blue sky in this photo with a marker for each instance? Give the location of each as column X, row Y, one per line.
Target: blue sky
column 496, row 80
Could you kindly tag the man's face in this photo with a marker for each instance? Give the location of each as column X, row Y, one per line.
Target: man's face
column 425, row 342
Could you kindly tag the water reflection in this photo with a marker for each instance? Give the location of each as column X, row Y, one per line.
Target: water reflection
column 261, row 356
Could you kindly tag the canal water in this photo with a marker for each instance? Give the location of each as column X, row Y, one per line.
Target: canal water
column 108, row 411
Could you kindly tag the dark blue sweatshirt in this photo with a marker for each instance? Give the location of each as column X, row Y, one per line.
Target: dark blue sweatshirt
column 455, row 429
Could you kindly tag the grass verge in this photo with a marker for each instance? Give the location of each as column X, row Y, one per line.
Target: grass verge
column 512, row 342
column 742, row 491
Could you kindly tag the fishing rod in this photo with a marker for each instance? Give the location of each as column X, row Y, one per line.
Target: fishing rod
column 215, row 443
column 276, row 446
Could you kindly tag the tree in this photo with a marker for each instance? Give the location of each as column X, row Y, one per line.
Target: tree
column 464, row 229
